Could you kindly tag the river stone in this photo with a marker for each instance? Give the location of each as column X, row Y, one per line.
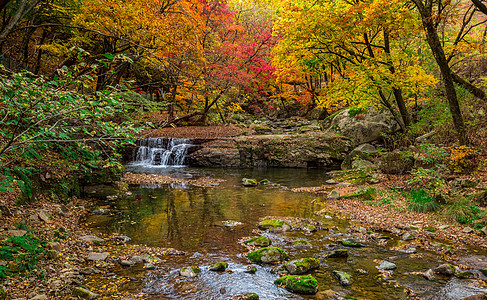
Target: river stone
column 430, row 275
column 302, row 266
column 94, row 256
column 149, row 266
column 351, row 243
column 274, row 225
column 445, row 269
column 190, row 272
column 140, row 259
column 246, row 296
column 408, row 236
column 465, row 275
column 249, row 182
column 40, row 297
column 300, row 284
column 268, row 255
column 84, row 293
column 362, row 164
column 251, row 270
column 16, row 232
column 386, row 266
column 91, row 238
column 339, row 253
column 468, row 230
column 126, row 263
column 333, row 195
column 261, row 241
column 218, row 267
column 45, row 216
column 302, row 244
column 343, row 278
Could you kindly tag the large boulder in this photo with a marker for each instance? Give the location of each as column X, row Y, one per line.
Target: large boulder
column 396, row 162
column 361, row 126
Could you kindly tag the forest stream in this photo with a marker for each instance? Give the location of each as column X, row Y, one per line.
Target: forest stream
column 208, row 223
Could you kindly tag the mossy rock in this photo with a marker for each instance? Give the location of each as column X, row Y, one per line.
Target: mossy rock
column 246, row 296
column 268, row 255
column 343, row 278
column 300, row 284
column 264, row 181
column 302, row 244
column 249, row 182
column 275, row 225
column 261, row 241
column 251, row 270
column 351, row 243
column 311, row 228
column 339, row 253
column 191, row 271
column 218, row 267
column 431, row 229
column 84, row 293
column 302, row 266
column 465, row 275
column 366, row 193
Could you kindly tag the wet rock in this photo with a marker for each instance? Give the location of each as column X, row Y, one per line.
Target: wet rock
column 333, row 195
column 190, row 271
column 445, row 269
column 246, row 296
column 386, row 266
column 430, row 275
column 302, row 266
column 310, row 228
column 261, row 241
column 149, row 267
column 249, row 182
column 351, row 243
column 328, row 294
column 343, row 278
column 140, row 259
column 268, row 255
column 465, row 275
column 409, row 250
column 274, row 225
column 300, row 284
column 219, row 267
column 339, row 253
column 94, row 256
column 127, row 263
column 408, row 236
column 231, row 223
column 302, row 244
column 91, row 238
column 84, row 293
column 251, row 270
column 122, row 238
column 16, row 232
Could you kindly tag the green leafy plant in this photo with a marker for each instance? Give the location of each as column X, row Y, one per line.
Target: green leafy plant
column 463, row 211
column 420, row 201
column 22, row 252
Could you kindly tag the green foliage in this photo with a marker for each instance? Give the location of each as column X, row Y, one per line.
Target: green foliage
column 463, row 211
column 22, row 252
column 420, row 201
column 429, row 179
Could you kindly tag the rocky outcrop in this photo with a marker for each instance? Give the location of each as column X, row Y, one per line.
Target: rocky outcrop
column 310, row 150
column 361, row 126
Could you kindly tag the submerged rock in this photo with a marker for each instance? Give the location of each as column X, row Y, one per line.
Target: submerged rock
column 445, row 269
column 261, row 241
column 300, row 284
column 343, row 278
column 274, row 225
column 246, row 296
column 268, row 255
column 386, row 266
column 190, row 272
column 302, row 244
column 251, row 270
column 351, row 243
column 339, row 253
column 430, row 275
column 302, row 266
column 219, row 267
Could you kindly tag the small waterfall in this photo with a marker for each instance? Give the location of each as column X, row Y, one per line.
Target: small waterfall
column 161, row 151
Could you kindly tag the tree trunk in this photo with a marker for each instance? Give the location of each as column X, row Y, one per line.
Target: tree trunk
column 477, row 92
column 433, row 39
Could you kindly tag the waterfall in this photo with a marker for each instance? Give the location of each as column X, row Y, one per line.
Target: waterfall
column 161, row 152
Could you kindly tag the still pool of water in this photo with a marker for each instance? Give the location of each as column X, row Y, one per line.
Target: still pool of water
column 191, row 219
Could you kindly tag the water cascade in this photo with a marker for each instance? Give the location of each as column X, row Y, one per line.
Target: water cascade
column 161, row 151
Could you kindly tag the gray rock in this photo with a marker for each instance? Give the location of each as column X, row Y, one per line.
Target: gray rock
column 16, row 232
column 84, row 293
column 44, row 215
column 140, row 259
column 468, row 230
column 34, row 219
column 445, row 269
column 302, row 266
column 408, row 236
column 430, row 275
column 40, row 297
column 484, row 230
column 343, row 278
column 94, row 256
column 386, row 266
column 334, row 195
column 149, row 267
column 189, row 271
column 127, row 263
column 362, row 164
column 91, row 238
column 249, row 182
column 340, row 253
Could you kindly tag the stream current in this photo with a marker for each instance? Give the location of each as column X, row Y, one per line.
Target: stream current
column 193, row 220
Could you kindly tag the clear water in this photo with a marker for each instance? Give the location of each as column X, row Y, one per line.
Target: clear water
column 190, row 219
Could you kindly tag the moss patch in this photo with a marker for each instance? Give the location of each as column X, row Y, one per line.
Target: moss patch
column 267, row 255
column 301, row 284
column 261, row 241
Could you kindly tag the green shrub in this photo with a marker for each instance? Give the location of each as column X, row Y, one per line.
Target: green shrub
column 420, row 201
column 22, row 252
column 463, row 211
